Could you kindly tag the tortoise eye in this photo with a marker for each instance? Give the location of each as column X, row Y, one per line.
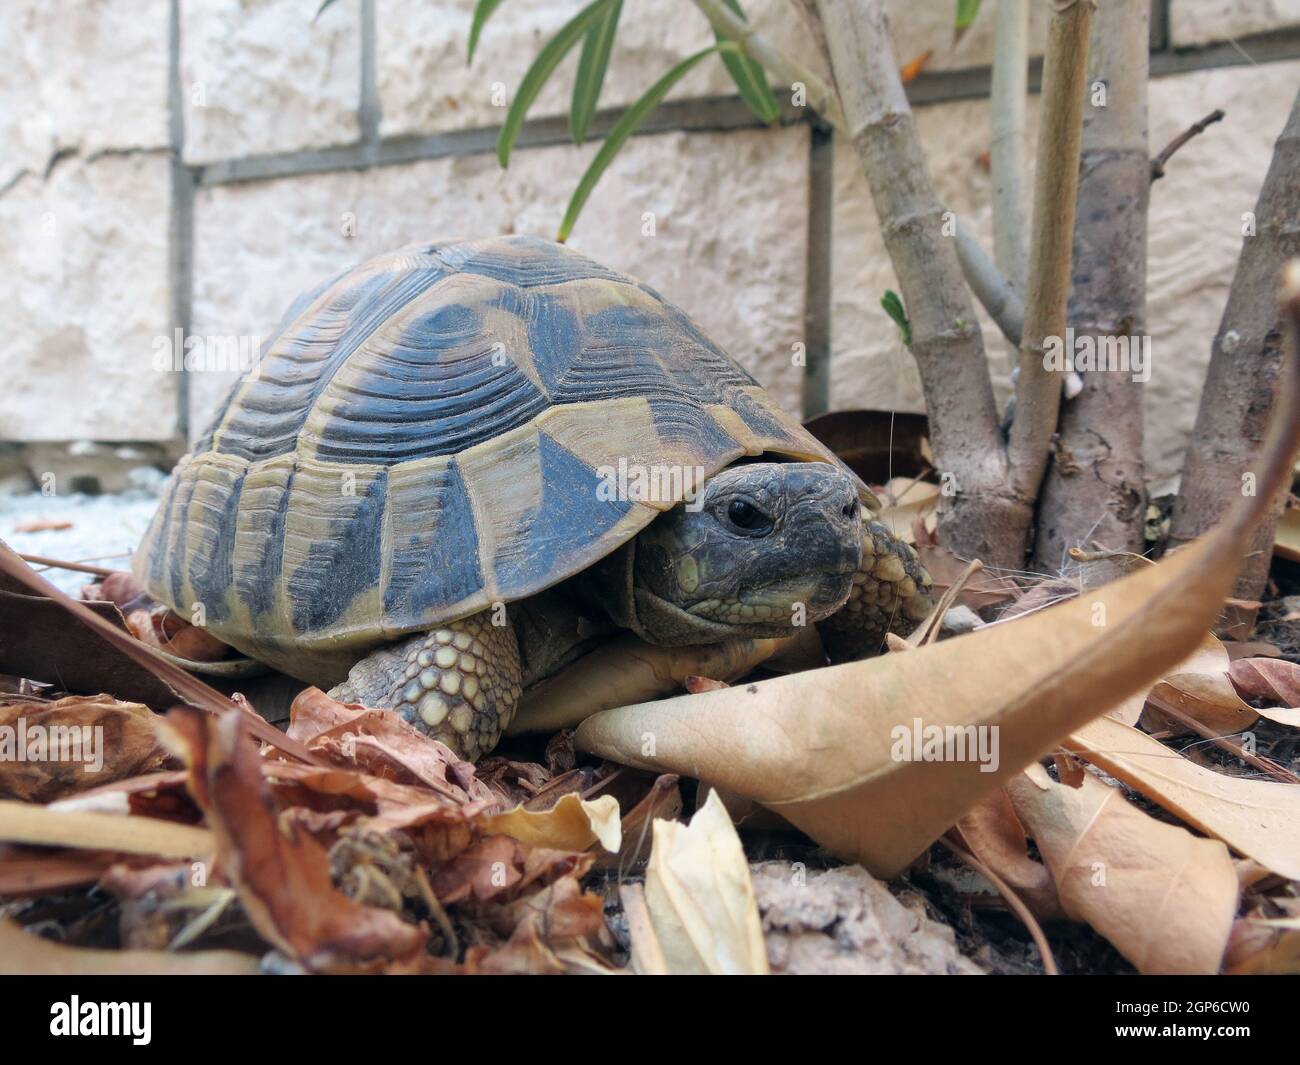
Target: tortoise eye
column 747, row 517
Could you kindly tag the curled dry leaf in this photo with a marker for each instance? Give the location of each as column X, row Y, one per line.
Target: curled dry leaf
column 1199, row 687
column 1256, row 818
column 381, row 744
column 282, row 875
column 1164, row 898
column 820, row 747
column 1274, row 679
column 993, row 833
column 700, row 896
column 50, row 750
column 168, row 631
column 572, row 824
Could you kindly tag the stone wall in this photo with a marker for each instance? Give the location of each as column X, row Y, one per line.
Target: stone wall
column 194, row 164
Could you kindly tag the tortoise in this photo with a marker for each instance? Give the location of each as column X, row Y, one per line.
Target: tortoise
column 459, row 467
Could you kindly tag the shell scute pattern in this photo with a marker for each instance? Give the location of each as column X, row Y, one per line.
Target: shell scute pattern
column 425, row 437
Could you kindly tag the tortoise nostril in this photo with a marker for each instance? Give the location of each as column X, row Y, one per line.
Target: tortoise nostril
column 850, row 510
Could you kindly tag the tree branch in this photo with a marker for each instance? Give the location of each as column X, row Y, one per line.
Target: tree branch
column 1096, row 489
column 1245, row 364
column 1158, row 163
column 981, row 518
column 1038, row 390
column 1007, row 144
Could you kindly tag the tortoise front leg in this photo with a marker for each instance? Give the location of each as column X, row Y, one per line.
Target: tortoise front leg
column 459, row 683
column 890, row 594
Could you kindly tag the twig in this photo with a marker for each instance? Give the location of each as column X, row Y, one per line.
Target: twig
column 1007, row 144
column 1158, row 163
column 821, row 97
column 1056, row 183
column 54, row 563
column 1264, row 765
column 991, row 288
column 1013, row 900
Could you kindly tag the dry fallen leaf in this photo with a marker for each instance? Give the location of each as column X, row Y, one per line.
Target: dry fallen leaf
column 1164, row 898
column 1257, row 818
column 913, row 67
column 572, row 824
column 28, row 955
column 50, row 750
column 1270, row 678
column 281, row 873
column 23, row 822
column 828, row 749
column 700, row 897
column 993, row 833
column 42, row 525
column 1199, row 687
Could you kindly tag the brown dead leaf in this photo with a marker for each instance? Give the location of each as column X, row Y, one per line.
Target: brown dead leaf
column 24, row 954
column 379, row 743
column 825, row 748
column 175, row 682
column 572, row 824
column 1164, row 898
column 42, row 525
column 913, row 67
column 50, row 750
column 23, row 822
column 700, row 896
column 168, row 631
column 1199, row 688
column 282, row 876
column 1274, row 679
column 982, row 589
column 1257, row 818
column 992, row 832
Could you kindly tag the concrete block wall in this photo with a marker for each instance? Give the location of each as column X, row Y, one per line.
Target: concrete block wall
column 194, row 164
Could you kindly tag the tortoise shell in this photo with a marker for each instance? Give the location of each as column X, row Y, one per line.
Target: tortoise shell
column 426, row 435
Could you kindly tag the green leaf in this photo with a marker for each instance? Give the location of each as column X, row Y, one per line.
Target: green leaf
column 625, row 127
column 966, row 12
column 543, row 67
column 482, row 12
column 750, row 79
column 592, row 63
column 894, row 308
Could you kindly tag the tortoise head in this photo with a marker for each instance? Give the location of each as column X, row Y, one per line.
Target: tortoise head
column 764, row 548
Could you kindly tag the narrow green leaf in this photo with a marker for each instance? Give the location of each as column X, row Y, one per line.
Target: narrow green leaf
column 592, row 63
column 894, row 308
column 543, row 67
column 482, row 12
column 749, row 77
column 625, row 127
column 321, row 10
column 966, row 12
